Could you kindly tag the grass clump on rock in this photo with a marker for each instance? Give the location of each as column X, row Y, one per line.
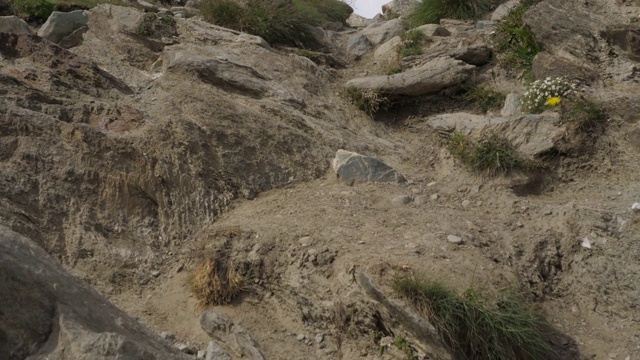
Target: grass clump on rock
column 369, row 101
column 281, row 22
column 431, row 11
column 515, row 41
column 485, row 98
column 216, row 283
column 412, row 43
column 492, row 155
column 157, row 26
column 475, row 329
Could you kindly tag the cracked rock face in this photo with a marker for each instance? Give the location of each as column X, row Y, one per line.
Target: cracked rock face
column 49, row 314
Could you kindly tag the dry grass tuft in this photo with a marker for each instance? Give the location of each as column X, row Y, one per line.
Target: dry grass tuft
column 216, row 283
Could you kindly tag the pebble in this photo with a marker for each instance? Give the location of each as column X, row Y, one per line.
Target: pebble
column 466, row 203
column 454, row 239
column 201, row 354
column 434, row 197
column 401, row 200
column 167, row 335
column 301, row 337
column 182, row 347
column 547, row 212
column 635, row 207
column 319, row 338
column 431, row 184
column 519, row 224
column 420, row 200
column 155, row 273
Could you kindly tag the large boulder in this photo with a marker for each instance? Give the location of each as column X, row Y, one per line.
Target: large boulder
column 398, row 8
column 61, row 24
column 13, row 24
column 358, row 45
column 504, row 9
column 49, row 314
column 626, row 38
column 435, row 75
column 353, row 168
column 531, row 134
column 380, row 32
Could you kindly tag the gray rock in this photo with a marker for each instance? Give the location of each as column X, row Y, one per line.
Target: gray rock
column 420, row 200
column 61, row 24
column 253, row 40
column 504, row 9
column 319, row 338
column 511, row 105
column 358, row 45
column 301, row 337
column 58, row 316
column 434, row 197
column 454, row 239
column 215, row 352
column 478, row 54
column 484, row 24
column 201, row 354
column 398, row 8
column 626, row 38
column 381, row 32
column 221, row 329
column 167, row 335
column 435, row 75
column 402, row 200
column 531, row 134
column 185, row 348
column 74, row 39
column 388, row 51
column 13, row 24
column 358, row 21
column 546, row 65
column 185, row 12
column 353, row 168
column 434, row 30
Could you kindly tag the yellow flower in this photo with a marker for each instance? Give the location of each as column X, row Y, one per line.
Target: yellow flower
column 553, row 101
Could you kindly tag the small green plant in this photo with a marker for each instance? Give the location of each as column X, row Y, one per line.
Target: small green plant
column 326, row 10
column 395, row 69
column 412, row 43
column 157, row 26
column 33, row 10
column 431, row 11
column 582, row 113
column 515, row 41
column 403, row 345
column 369, row 101
column 492, row 155
column 475, row 329
column 547, row 93
column 485, row 98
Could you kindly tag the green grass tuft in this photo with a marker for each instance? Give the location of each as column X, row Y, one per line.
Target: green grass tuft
column 515, row 42
column 32, row 10
column 583, row 114
column 431, row 11
column 281, row 22
column 492, row 155
column 368, row 101
column 485, row 98
column 412, row 43
column 474, row 329
column 157, row 26
column 403, row 345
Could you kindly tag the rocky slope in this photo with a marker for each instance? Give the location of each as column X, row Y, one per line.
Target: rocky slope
column 130, row 158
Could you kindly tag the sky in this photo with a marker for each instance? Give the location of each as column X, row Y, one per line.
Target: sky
column 369, row 8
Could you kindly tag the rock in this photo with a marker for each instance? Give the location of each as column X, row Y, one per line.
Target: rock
column 215, row 352
column 511, row 105
column 398, row 8
column 402, row 200
column 434, row 197
column 185, row 12
column 504, row 9
column 301, row 337
column 74, row 39
column 478, row 55
column 319, row 338
column 15, row 25
column 380, row 32
column 61, row 24
column 253, row 40
column 358, row 21
column 485, row 24
column 358, row 45
column 635, row 207
column 432, row 30
column 420, row 200
column 167, row 335
column 454, row 239
column 466, row 203
column 626, row 38
column 549, row 65
column 531, row 134
column 353, row 168
column 58, row 316
column 185, row 348
column 429, row 78
column 201, row 354
column 388, row 51
column 221, row 329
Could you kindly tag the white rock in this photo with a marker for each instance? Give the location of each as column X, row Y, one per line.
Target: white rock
column 586, row 243
column 454, row 239
column 635, row 207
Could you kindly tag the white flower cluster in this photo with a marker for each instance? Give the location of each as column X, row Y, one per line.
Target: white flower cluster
column 540, row 91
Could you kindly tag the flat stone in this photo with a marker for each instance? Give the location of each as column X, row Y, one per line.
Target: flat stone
column 351, row 168
column 511, row 105
column 401, row 200
column 454, row 239
column 484, row 24
column 61, row 24
column 167, row 335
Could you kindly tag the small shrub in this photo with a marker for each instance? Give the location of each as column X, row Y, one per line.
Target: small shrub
column 225, row 13
column 369, row 101
column 431, row 11
column 515, row 42
column 412, row 43
column 491, row 155
column 474, row 329
column 583, row 114
column 395, row 69
column 33, row 10
column 403, row 345
column 216, row 283
column 485, row 98
column 326, row 10
column 547, row 93
column 157, row 26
